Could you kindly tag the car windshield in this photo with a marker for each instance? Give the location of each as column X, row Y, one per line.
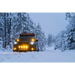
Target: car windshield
column 26, row 38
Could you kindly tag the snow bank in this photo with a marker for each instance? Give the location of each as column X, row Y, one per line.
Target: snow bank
column 50, row 55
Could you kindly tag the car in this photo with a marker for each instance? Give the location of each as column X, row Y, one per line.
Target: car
column 26, row 42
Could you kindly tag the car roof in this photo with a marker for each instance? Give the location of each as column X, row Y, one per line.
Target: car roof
column 27, row 34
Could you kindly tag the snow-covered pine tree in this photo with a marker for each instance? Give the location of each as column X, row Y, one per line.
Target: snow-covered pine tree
column 28, row 24
column 70, row 41
column 70, row 13
column 50, row 40
column 71, row 34
column 2, row 27
column 67, row 11
column 1, row 45
column 40, row 36
column 60, row 40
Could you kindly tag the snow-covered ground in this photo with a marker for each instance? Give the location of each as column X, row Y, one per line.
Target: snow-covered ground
column 49, row 55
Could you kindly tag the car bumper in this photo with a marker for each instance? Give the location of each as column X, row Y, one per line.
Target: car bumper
column 24, row 50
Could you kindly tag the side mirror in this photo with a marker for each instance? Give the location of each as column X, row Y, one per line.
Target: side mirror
column 36, row 41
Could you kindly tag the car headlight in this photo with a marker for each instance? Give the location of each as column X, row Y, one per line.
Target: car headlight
column 32, row 43
column 15, row 42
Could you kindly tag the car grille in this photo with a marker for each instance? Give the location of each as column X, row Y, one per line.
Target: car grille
column 21, row 43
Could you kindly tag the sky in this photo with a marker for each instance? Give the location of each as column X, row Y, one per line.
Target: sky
column 51, row 23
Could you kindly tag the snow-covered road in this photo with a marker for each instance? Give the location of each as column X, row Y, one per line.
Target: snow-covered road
column 49, row 55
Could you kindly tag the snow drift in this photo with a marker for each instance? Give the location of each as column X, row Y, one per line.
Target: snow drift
column 49, row 55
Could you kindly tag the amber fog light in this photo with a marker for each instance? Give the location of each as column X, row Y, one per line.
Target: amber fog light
column 32, row 49
column 14, row 48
